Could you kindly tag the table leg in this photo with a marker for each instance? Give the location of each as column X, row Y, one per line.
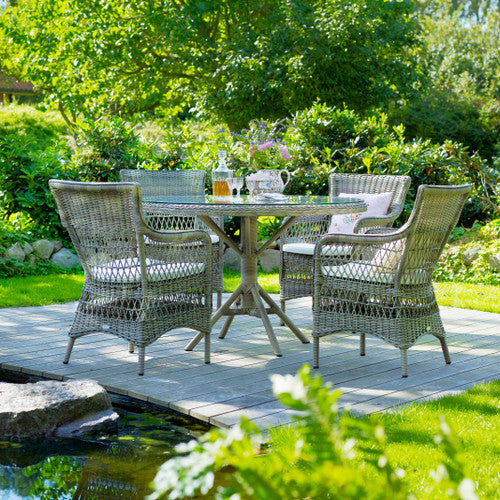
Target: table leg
column 249, row 295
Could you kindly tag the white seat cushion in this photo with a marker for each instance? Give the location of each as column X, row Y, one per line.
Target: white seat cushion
column 308, row 249
column 366, row 271
column 129, row 270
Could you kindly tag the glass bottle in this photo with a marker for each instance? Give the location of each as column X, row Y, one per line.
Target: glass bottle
column 220, row 176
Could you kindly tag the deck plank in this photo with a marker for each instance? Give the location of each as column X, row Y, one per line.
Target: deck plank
column 237, row 382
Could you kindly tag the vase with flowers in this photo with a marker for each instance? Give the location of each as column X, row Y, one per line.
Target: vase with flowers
column 267, row 153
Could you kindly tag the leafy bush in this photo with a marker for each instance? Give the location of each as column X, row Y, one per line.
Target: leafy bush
column 317, row 458
column 24, row 175
column 484, row 243
column 106, row 146
column 332, row 140
column 43, row 128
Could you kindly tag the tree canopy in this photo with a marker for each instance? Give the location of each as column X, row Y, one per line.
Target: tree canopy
column 237, row 60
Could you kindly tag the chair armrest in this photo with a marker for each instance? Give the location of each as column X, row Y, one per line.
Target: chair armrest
column 362, row 247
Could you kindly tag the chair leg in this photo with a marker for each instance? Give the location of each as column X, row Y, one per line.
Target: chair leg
column 315, row 352
column 282, row 305
column 130, row 347
column 207, row 348
column 142, row 355
column 219, row 299
column 446, row 353
column 404, row 362
column 362, row 344
column 71, row 343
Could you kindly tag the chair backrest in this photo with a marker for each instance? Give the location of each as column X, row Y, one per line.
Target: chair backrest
column 102, row 218
column 167, row 182
column 373, row 184
column 434, row 215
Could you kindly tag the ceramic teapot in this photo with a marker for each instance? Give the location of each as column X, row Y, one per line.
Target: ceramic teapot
column 275, row 181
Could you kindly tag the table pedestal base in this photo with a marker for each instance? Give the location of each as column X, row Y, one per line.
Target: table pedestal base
column 249, row 297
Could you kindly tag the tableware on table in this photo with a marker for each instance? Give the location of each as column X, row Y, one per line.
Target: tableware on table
column 236, row 183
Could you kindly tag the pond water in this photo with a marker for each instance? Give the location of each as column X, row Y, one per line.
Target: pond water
column 120, row 465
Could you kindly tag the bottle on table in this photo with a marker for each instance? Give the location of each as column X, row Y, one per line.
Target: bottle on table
column 220, row 175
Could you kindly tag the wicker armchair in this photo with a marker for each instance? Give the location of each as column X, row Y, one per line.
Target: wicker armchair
column 384, row 286
column 139, row 283
column 178, row 183
column 297, row 243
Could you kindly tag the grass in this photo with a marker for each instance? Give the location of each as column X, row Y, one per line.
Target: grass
column 473, row 415
column 474, row 418
column 58, row 288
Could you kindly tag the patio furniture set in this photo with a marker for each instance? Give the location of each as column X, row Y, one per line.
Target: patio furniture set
column 152, row 246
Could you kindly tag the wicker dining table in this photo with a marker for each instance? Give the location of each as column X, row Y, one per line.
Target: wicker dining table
column 250, row 298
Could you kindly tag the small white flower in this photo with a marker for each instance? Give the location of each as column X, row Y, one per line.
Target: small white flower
column 289, row 384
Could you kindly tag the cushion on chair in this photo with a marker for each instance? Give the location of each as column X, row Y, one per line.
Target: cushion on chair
column 129, row 270
column 366, row 271
column 308, row 249
column 377, row 205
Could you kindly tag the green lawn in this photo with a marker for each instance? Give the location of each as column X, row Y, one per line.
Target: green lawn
column 57, row 288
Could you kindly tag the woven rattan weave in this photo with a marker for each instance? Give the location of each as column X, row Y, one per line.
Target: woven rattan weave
column 296, row 278
column 139, row 283
column 383, row 286
column 178, row 183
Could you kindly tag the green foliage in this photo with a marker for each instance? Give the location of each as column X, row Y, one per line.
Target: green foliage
column 460, row 97
column 24, row 175
column 452, row 265
column 106, row 146
column 42, row 127
column 316, row 459
column 235, row 60
column 332, row 140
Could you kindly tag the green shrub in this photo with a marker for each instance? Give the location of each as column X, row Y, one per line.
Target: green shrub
column 315, row 459
column 486, row 242
column 330, row 140
column 106, row 146
column 42, row 128
column 24, row 175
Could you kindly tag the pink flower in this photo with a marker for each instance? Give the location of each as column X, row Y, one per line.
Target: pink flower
column 254, row 165
column 285, row 155
column 265, row 145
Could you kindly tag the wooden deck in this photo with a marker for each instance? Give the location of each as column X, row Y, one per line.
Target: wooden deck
column 236, row 383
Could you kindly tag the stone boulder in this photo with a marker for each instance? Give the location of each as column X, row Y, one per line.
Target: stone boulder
column 65, row 258
column 38, row 409
column 43, row 248
column 494, row 261
column 269, row 260
column 232, row 260
column 470, row 255
column 15, row 252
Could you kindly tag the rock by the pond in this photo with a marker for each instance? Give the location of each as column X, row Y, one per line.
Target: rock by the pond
column 15, row 252
column 65, row 258
column 43, row 248
column 38, row 409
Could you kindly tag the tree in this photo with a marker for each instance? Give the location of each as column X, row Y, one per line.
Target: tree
column 239, row 60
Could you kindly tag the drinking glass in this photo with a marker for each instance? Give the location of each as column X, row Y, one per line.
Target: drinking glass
column 236, row 183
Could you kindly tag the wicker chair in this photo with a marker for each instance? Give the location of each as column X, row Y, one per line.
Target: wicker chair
column 139, row 283
column 178, row 183
column 297, row 243
column 384, row 285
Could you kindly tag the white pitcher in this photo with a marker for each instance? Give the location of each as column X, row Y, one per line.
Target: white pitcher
column 276, row 184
